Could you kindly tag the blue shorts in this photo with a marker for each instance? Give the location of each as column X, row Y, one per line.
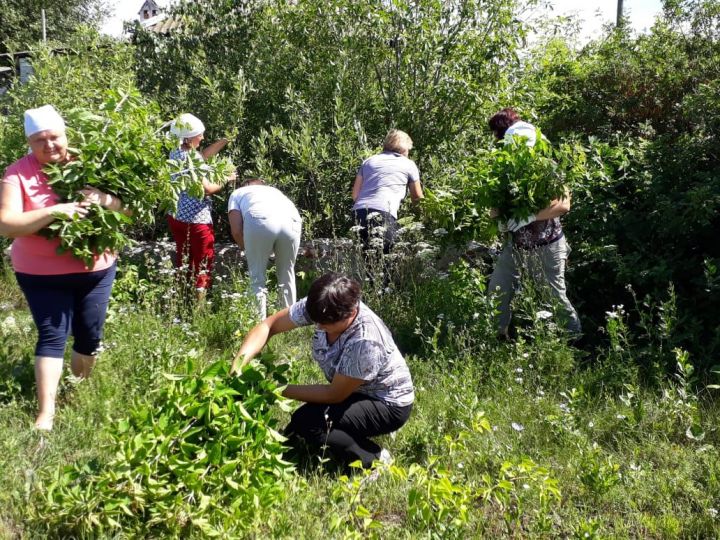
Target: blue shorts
column 68, row 302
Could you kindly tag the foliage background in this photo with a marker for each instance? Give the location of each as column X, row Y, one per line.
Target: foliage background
column 626, row 429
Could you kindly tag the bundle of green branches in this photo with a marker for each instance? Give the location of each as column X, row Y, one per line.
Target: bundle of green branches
column 120, row 151
column 203, row 458
column 513, row 178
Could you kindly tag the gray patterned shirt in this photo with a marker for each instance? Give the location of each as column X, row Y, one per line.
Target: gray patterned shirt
column 365, row 350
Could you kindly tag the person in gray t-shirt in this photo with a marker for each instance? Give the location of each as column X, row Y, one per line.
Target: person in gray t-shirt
column 369, row 391
column 380, row 186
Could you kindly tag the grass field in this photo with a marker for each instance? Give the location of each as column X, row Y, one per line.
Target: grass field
column 525, row 439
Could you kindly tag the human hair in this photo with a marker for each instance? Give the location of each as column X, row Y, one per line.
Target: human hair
column 502, row 120
column 252, row 182
column 397, row 141
column 332, row 298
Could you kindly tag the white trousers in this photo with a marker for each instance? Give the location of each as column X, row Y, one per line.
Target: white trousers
column 262, row 237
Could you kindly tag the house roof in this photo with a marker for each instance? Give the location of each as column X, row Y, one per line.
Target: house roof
column 161, row 24
column 149, row 5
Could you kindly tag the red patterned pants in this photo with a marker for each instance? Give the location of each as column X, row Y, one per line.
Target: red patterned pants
column 195, row 246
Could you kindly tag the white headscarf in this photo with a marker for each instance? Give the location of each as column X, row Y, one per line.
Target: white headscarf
column 187, row 126
column 42, row 119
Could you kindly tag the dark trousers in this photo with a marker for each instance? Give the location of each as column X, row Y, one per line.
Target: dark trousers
column 376, row 227
column 369, row 224
column 345, row 427
column 65, row 303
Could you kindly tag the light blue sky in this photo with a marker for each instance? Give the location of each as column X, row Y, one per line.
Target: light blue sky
column 593, row 13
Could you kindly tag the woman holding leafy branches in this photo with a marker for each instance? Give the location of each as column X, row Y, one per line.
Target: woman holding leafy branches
column 536, row 242
column 64, row 293
column 369, row 391
column 192, row 224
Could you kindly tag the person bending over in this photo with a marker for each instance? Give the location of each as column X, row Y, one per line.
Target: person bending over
column 263, row 221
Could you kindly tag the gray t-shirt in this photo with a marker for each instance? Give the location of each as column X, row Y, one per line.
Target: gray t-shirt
column 365, row 350
column 385, row 179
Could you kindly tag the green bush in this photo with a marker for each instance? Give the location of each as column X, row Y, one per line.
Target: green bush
column 313, row 86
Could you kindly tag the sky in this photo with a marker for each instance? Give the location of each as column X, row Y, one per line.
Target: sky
column 593, row 13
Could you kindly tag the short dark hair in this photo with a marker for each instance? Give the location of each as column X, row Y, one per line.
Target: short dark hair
column 502, row 120
column 252, row 182
column 333, row 297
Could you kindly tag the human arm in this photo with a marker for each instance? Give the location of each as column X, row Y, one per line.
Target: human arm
column 236, row 227
column 210, row 188
column 416, row 192
column 214, row 148
column 556, row 208
column 14, row 222
column 357, row 186
column 337, row 391
column 256, row 339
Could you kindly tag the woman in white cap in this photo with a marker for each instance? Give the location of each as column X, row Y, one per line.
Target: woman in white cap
column 64, row 295
column 192, row 224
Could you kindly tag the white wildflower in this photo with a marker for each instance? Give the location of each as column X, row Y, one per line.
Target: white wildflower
column 517, row 427
column 9, row 323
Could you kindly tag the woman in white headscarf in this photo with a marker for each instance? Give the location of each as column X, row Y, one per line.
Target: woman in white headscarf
column 192, row 224
column 63, row 294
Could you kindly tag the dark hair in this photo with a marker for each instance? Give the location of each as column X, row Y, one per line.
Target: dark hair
column 252, row 182
column 501, row 121
column 332, row 298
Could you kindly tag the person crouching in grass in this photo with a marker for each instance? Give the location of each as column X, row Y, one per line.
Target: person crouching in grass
column 369, row 390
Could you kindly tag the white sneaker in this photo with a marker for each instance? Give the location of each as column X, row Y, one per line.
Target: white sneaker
column 385, row 457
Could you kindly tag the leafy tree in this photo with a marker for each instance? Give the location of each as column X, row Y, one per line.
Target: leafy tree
column 313, row 86
column 75, row 78
column 22, row 21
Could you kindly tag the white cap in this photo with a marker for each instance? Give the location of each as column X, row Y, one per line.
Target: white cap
column 42, row 119
column 523, row 129
column 187, row 126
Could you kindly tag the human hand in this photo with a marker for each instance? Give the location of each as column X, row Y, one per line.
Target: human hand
column 95, row 196
column 514, row 225
column 71, row 209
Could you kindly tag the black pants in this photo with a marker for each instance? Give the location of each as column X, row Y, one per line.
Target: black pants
column 345, row 427
column 378, row 219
